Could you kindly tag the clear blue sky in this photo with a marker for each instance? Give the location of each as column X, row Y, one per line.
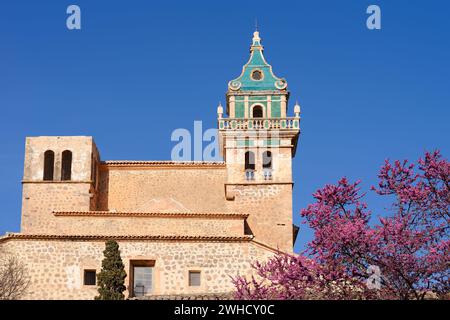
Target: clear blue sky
column 138, row 70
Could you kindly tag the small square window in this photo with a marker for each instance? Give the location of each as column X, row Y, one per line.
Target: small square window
column 194, row 278
column 89, row 277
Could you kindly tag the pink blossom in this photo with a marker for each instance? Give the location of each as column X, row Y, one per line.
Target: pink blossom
column 411, row 245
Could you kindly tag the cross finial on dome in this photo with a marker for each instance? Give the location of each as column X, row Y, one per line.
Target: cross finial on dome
column 256, row 38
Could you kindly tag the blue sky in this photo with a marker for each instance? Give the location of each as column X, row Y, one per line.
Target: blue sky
column 138, row 70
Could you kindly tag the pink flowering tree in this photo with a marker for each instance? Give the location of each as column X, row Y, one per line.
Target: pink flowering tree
column 405, row 255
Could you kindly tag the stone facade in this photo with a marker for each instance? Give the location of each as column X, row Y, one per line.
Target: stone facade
column 56, row 265
column 172, row 218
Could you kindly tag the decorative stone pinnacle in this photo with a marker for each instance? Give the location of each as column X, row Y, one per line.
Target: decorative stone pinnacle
column 297, row 109
column 219, row 110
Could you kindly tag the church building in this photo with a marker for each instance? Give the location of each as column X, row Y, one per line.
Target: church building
column 183, row 227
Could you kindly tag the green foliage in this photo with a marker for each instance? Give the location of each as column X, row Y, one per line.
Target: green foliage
column 111, row 278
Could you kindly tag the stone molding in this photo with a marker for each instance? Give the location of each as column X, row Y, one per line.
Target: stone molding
column 153, row 164
column 217, row 215
column 58, row 181
column 19, row 236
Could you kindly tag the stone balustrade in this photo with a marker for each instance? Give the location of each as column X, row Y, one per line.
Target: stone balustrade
column 291, row 123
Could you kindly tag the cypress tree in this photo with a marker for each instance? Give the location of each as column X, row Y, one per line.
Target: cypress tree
column 111, row 279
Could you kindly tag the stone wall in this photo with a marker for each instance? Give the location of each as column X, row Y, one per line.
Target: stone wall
column 41, row 198
column 56, row 267
column 270, row 212
column 147, row 225
column 81, row 147
column 267, row 201
column 165, row 190
column 281, row 162
column 162, row 188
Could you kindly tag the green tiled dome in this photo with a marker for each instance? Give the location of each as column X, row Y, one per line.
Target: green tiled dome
column 257, row 74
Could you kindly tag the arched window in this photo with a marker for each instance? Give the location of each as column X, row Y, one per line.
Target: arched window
column 249, row 160
column 267, row 165
column 249, row 165
column 267, row 160
column 49, row 165
column 66, row 165
column 257, row 112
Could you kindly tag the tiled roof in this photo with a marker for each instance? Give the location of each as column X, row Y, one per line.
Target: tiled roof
column 153, row 214
column 22, row 236
column 164, row 163
column 198, row 296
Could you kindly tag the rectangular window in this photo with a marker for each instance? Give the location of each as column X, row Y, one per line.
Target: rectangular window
column 194, row 278
column 141, row 279
column 89, row 277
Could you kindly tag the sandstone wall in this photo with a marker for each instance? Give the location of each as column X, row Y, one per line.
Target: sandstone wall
column 142, row 225
column 41, row 198
column 270, row 212
column 55, row 267
column 167, row 190
column 81, row 147
column 281, row 163
column 162, row 189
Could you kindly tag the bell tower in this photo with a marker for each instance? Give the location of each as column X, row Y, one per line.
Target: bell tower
column 258, row 141
column 60, row 174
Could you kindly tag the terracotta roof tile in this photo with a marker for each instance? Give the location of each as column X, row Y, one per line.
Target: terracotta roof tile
column 224, row 215
column 21, row 236
column 197, row 296
column 163, row 163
